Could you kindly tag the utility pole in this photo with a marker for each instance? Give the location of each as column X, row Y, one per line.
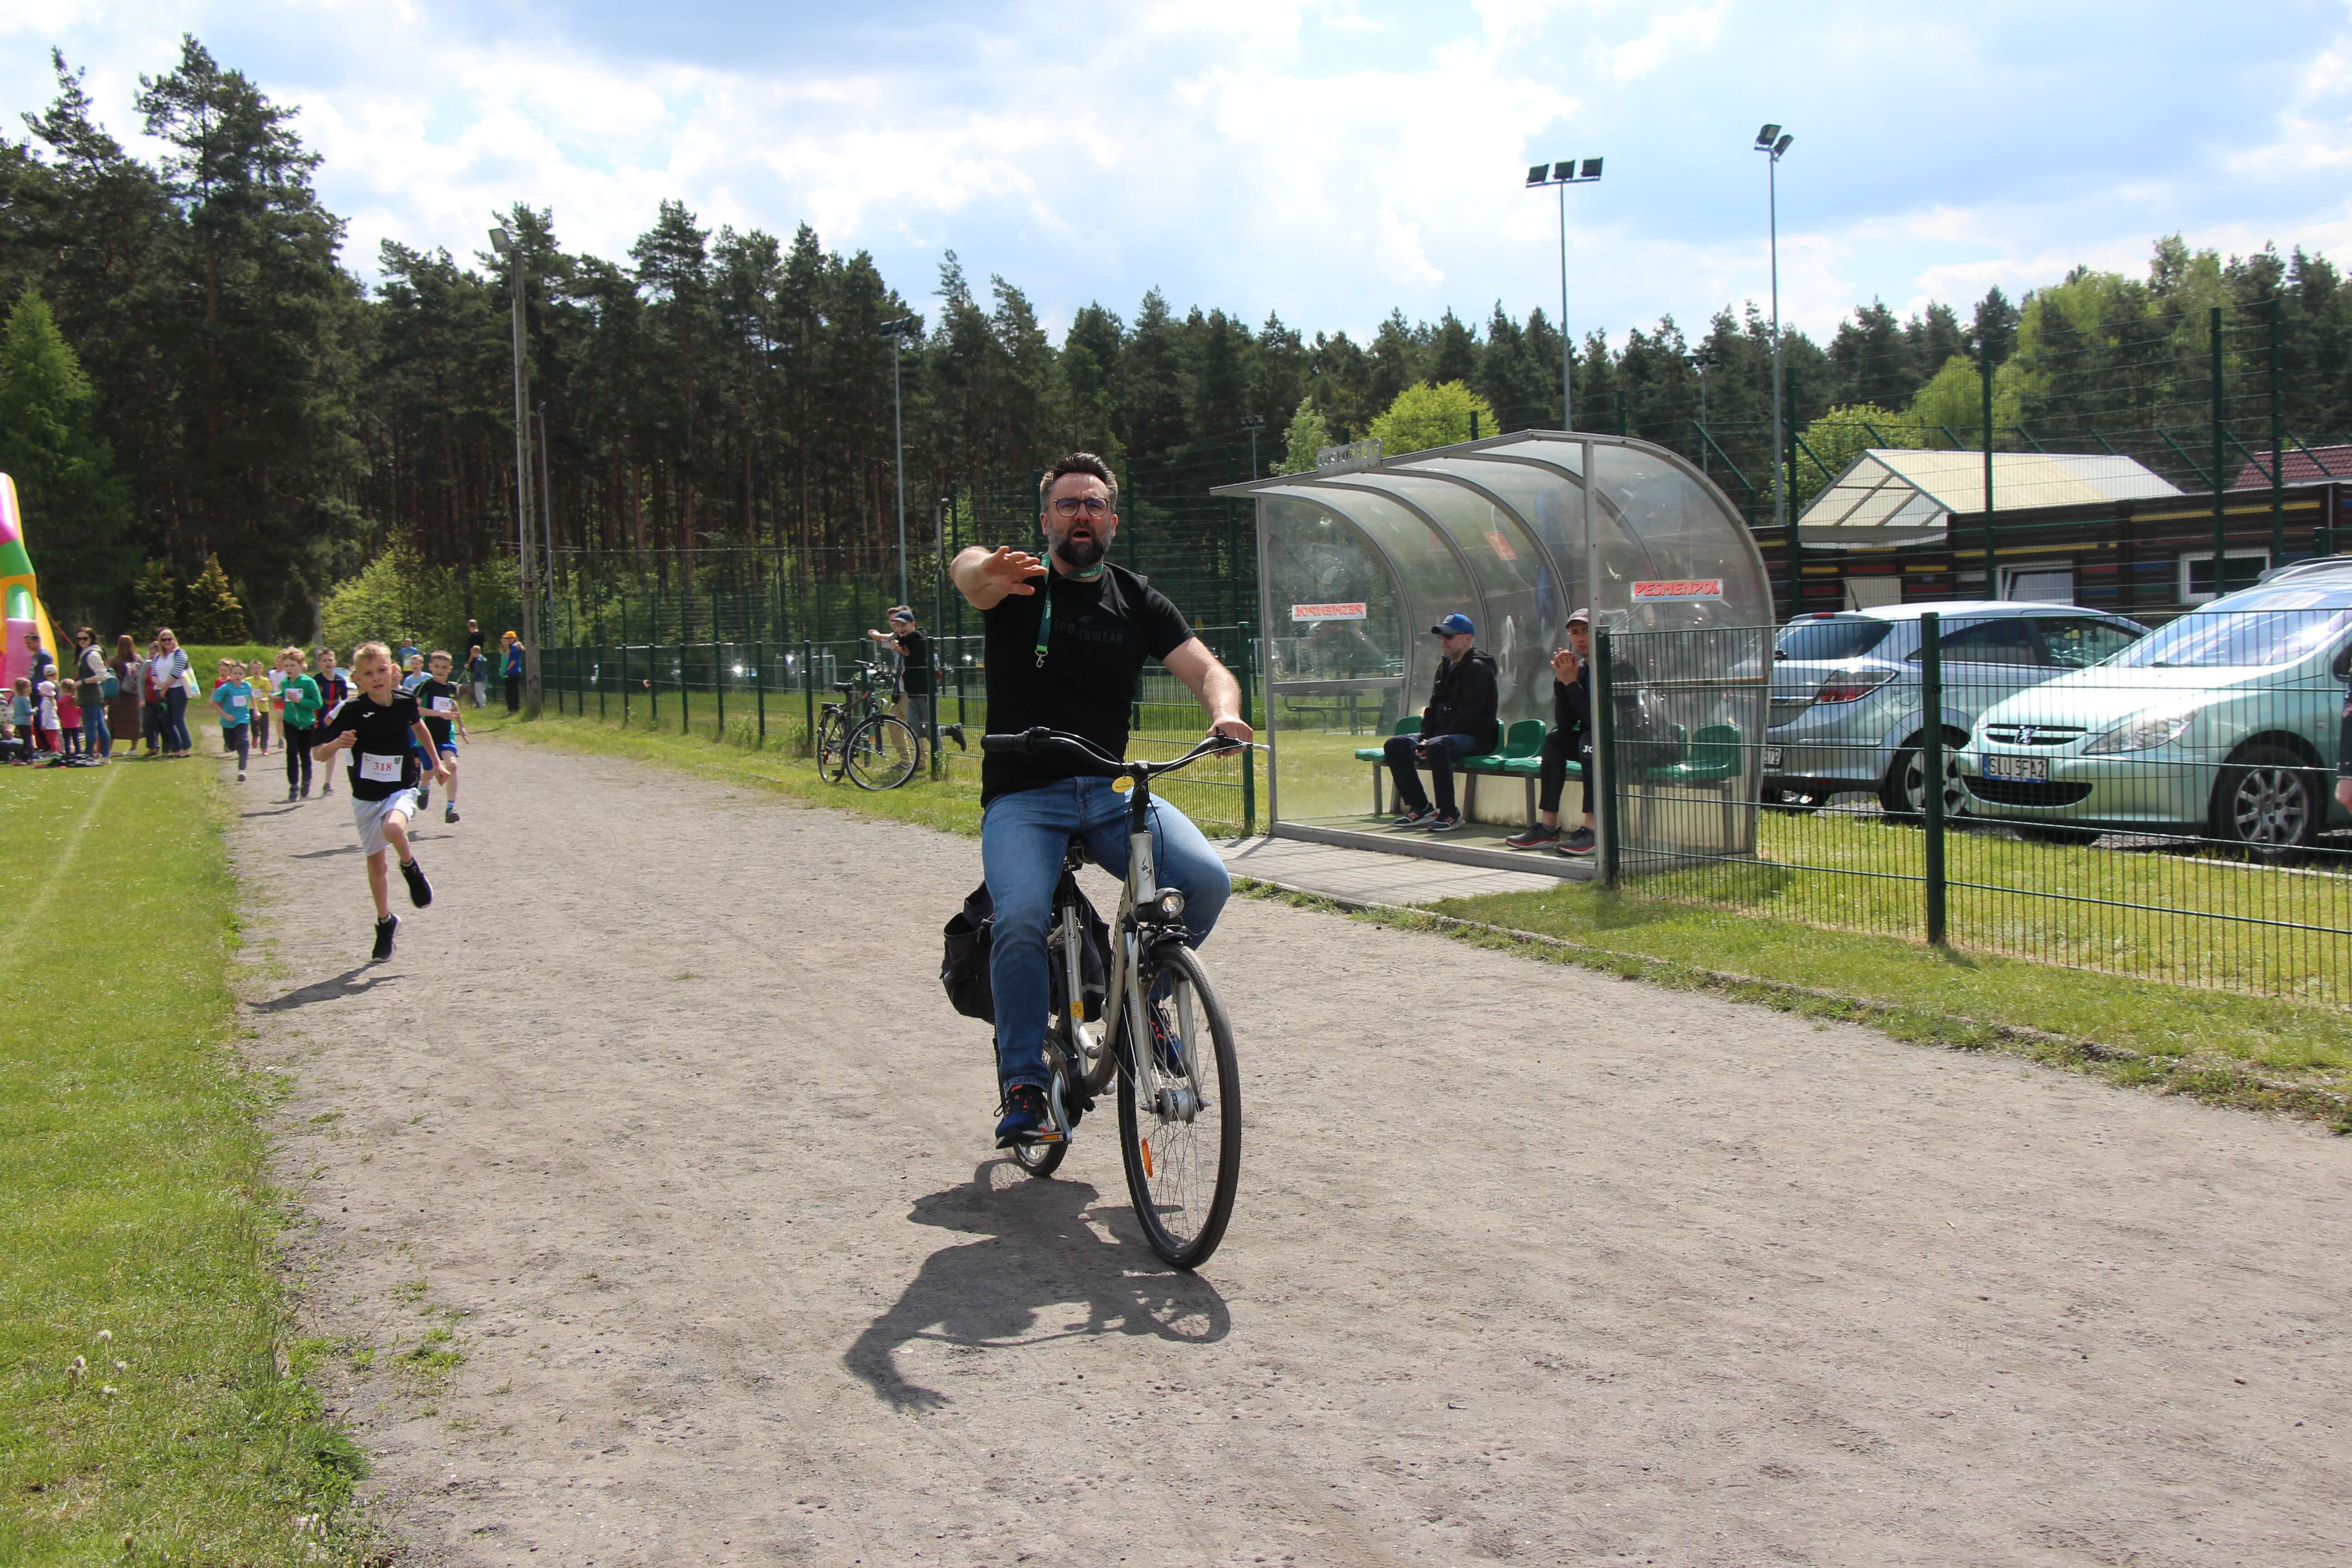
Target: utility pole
column 504, row 243
column 546, row 514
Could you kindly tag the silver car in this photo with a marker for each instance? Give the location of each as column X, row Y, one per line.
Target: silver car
column 1845, row 690
column 2223, row 725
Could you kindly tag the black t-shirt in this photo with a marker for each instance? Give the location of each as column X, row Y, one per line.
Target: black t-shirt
column 384, row 761
column 1103, row 631
column 425, row 693
column 915, row 672
column 473, row 646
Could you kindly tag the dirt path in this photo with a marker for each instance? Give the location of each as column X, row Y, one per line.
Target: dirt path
column 1531, row 1265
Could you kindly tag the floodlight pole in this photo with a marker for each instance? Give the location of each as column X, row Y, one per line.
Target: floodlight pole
column 1564, row 174
column 506, row 246
column 897, row 332
column 1772, row 144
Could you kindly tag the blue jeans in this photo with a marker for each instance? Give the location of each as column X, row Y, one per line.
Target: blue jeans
column 1443, row 751
column 175, row 721
column 1022, row 838
column 95, row 738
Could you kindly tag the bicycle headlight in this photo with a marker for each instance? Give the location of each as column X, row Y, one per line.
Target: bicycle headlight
column 2141, row 731
column 1168, row 904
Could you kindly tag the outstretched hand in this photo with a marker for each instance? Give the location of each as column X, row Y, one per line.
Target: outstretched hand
column 1012, row 570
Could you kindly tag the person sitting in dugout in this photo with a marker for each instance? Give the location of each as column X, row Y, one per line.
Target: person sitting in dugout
column 1458, row 722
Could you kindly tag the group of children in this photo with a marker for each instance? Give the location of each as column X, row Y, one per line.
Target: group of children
column 44, row 722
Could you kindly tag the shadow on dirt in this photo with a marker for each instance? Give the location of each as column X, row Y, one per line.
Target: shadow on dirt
column 347, row 984
column 1038, row 1250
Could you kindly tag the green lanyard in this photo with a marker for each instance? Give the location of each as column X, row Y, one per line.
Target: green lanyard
column 1045, row 621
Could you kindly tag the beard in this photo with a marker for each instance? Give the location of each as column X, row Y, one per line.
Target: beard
column 1079, row 555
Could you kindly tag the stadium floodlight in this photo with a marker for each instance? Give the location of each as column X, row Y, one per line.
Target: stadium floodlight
column 500, row 242
column 1564, row 174
column 504, row 243
column 1772, row 144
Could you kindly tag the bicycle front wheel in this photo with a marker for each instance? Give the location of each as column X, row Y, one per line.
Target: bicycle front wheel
column 1183, row 1146
column 881, row 754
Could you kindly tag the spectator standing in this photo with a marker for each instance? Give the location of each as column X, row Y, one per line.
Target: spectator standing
column 511, row 664
column 42, row 663
column 474, row 639
column 90, row 682
column 21, row 711
column 1458, row 722
column 69, row 711
column 915, row 677
column 170, row 671
column 45, row 715
column 408, row 650
column 122, row 709
column 299, row 707
column 150, row 700
column 477, row 674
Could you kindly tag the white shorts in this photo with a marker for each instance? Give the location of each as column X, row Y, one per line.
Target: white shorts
column 368, row 815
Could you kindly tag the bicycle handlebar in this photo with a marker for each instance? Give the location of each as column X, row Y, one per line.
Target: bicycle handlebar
column 1091, row 759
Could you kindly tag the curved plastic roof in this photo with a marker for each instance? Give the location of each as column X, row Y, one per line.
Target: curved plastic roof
column 1506, row 530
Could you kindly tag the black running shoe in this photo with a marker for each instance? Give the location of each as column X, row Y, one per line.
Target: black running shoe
column 383, row 930
column 424, row 797
column 420, row 891
column 1417, row 818
column 1443, row 822
column 449, row 814
column 1576, row 843
column 1536, row 835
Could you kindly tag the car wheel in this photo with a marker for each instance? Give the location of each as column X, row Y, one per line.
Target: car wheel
column 2268, row 804
column 2043, row 833
column 1903, row 793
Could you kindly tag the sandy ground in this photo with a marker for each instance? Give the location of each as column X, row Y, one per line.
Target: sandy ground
column 661, row 1106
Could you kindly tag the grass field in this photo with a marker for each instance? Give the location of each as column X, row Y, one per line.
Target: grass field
column 153, row 1406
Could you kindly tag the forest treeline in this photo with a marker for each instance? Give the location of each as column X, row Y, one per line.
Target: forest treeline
column 235, row 391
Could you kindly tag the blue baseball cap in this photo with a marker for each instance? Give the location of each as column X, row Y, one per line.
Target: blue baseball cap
column 1455, row 626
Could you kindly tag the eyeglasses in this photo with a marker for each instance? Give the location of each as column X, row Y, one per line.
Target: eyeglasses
column 1093, row 506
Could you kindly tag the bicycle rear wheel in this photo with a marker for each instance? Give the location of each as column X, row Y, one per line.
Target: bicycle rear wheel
column 831, row 760
column 1183, row 1153
column 881, row 754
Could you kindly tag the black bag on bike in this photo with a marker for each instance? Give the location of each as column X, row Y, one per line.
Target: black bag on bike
column 970, row 938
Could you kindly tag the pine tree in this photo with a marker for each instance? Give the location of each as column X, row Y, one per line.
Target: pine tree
column 214, row 615
column 77, row 508
column 154, row 600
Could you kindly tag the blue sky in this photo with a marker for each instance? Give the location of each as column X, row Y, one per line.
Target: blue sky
column 1325, row 158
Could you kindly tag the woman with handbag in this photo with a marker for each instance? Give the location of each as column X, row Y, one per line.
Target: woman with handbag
column 91, row 679
column 168, row 673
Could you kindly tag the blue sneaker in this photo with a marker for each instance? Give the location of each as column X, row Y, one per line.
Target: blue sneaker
column 1027, row 1119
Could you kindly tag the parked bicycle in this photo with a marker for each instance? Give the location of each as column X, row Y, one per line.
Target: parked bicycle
column 1153, row 1020
column 858, row 738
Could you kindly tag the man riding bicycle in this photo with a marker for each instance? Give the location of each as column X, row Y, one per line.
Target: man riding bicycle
column 1067, row 636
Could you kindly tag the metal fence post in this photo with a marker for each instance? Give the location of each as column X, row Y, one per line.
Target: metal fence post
column 717, row 664
column 808, row 692
column 1984, row 381
column 625, row 658
column 1249, row 759
column 1604, row 755
column 1931, row 761
column 600, row 658
column 2278, row 477
column 760, row 688
column 653, row 669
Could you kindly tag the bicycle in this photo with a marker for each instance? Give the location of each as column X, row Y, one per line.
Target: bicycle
column 1154, row 1021
column 862, row 740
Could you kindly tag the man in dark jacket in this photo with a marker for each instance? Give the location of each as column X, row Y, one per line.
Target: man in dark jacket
column 1571, row 738
column 1458, row 722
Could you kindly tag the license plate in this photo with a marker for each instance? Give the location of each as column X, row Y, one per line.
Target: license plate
column 2036, row 769
column 1771, row 756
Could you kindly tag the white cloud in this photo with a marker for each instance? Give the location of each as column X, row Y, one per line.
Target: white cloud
column 1668, row 37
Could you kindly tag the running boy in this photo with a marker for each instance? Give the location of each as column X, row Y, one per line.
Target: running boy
column 298, row 702
column 333, row 692
column 265, row 694
column 233, row 699
column 376, row 727
column 437, row 698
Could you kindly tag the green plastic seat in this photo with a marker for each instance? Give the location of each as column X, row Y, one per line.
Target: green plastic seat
column 1713, row 758
column 1404, row 726
column 1524, row 739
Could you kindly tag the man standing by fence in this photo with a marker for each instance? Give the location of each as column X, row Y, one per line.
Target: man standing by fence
column 914, row 651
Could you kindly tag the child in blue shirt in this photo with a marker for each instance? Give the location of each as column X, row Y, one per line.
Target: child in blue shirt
column 233, row 698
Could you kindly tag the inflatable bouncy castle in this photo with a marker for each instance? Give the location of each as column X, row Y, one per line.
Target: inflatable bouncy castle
column 20, row 596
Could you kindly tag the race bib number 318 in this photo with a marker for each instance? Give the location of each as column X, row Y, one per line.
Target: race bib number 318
column 380, row 770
